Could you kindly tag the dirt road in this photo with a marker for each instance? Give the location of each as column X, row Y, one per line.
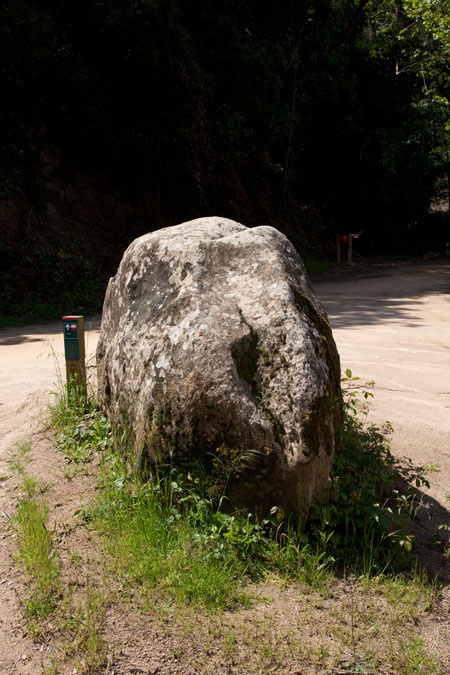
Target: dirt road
column 393, row 327
column 31, row 365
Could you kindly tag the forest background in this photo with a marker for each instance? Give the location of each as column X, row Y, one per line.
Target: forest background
column 119, row 118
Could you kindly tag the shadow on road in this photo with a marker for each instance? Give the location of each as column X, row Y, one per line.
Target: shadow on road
column 348, row 312
column 27, row 334
column 432, row 537
column 383, row 298
column 17, row 340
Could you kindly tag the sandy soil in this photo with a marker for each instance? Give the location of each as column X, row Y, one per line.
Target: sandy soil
column 31, row 366
column 393, row 327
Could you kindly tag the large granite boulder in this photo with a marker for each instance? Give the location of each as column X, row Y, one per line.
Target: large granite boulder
column 214, row 347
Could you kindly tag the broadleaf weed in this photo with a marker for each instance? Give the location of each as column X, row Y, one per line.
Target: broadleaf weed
column 372, row 501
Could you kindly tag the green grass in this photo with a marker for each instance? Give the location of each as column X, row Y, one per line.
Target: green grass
column 169, row 536
column 82, row 624
column 408, row 595
column 81, row 621
column 153, row 542
column 410, row 658
column 18, row 457
column 36, row 551
column 37, row 554
column 166, row 544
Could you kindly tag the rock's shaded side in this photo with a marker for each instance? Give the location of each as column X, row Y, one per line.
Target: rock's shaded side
column 212, row 343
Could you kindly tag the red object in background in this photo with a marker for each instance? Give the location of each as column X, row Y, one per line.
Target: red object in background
column 343, row 238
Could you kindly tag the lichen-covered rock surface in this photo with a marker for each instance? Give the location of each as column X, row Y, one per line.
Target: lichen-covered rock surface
column 213, row 344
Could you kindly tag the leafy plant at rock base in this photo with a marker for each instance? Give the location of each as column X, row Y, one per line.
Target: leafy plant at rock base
column 86, row 438
column 371, row 497
column 83, row 431
column 445, row 543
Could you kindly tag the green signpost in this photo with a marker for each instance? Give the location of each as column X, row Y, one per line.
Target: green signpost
column 74, row 351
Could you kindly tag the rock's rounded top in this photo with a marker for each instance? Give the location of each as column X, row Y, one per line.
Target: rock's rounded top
column 201, row 231
column 208, row 228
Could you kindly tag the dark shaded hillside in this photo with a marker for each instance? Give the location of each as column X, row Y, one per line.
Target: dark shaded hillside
column 119, row 118
column 62, row 239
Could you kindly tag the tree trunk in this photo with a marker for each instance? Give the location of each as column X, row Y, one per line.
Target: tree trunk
column 291, row 134
column 448, row 183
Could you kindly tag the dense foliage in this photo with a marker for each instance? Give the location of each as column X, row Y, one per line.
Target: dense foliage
column 316, row 117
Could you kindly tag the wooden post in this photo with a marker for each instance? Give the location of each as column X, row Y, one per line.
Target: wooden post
column 74, row 349
column 338, row 247
column 350, row 250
